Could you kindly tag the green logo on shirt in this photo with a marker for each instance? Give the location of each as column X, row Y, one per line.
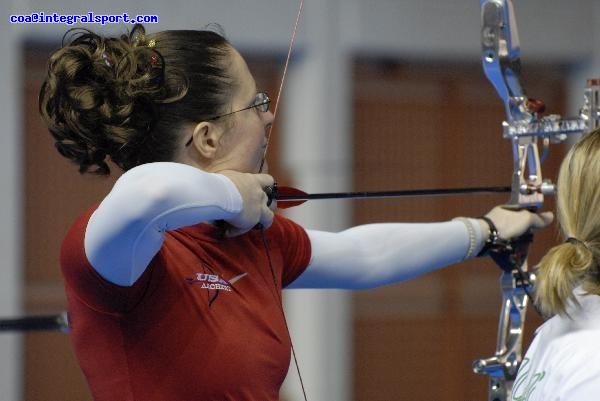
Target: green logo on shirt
column 526, row 382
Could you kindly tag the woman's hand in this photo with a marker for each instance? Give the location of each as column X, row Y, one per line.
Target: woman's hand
column 512, row 223
column 255, row 209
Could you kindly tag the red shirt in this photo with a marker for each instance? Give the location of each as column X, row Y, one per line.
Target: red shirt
column 204, row 322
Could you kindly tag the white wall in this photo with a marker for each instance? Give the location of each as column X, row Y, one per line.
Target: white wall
column 10, row 210
column 555, row 30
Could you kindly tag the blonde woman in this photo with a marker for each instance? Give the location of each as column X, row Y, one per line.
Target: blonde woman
column 563, row 362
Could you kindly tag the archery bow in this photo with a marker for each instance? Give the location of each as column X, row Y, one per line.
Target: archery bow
column 523, row 126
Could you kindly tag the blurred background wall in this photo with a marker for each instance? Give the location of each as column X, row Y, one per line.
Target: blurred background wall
column 381, row 94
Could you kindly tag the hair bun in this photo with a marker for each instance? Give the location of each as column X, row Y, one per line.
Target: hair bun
column 129, row 99
column 99, row 98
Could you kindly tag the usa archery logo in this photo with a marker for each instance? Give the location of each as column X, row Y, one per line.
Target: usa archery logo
column 214, row 281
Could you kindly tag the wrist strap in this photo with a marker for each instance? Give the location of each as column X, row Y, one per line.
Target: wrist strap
column 472, row 236
column 493, row 239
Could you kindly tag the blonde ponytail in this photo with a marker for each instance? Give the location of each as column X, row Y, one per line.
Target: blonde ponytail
column 559, row 271
column 574, row 262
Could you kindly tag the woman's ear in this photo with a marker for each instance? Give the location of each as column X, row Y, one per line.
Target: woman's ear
column 206, row 138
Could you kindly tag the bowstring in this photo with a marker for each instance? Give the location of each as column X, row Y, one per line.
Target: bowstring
column 281, row 84
column 264, row 239
column 278, row 295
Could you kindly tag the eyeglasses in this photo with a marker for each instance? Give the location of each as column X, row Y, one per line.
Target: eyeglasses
column 261, row 102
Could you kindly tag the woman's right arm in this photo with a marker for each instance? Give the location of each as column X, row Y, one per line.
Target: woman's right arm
column 127, row 229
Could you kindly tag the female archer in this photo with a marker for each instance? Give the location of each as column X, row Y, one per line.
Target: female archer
column 174, row 280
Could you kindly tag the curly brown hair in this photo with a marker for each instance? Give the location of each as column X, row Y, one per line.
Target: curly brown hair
column 126, row 98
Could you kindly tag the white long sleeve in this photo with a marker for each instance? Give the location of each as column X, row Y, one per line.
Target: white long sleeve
column 377, row 254
column 127, row 229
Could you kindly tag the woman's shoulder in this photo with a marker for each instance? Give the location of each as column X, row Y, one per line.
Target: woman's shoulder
column 563, row 367
column 78, row 226
column 284, row 225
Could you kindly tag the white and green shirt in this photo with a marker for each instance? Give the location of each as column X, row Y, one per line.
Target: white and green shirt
column 563, row 361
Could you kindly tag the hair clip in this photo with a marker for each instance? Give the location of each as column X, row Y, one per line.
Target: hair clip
column 156, row 61
column 151, row 43
column 106, row 58
column 137, row 35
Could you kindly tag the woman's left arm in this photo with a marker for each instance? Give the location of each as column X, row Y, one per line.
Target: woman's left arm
column 378, row 254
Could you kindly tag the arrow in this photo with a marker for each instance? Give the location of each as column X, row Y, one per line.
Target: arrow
column 288, row 197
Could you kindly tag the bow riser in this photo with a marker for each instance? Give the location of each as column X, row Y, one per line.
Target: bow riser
column 527, row 174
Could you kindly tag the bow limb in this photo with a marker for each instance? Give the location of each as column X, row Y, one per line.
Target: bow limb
column 502, row 65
